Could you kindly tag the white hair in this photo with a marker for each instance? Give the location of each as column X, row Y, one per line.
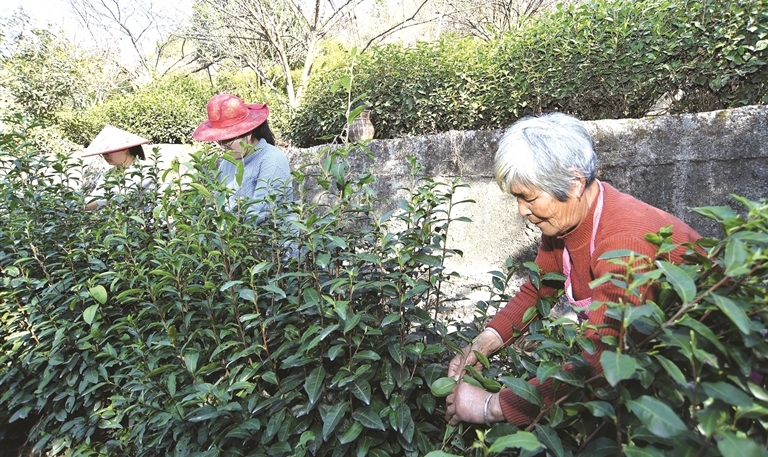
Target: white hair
column 546, row 152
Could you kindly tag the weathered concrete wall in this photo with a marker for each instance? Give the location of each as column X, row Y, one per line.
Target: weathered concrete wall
column 672, row 162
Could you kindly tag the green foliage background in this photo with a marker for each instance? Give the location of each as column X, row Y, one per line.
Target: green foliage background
column 603, row 59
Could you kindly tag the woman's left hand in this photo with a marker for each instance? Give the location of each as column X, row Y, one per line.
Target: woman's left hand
column 466, row 402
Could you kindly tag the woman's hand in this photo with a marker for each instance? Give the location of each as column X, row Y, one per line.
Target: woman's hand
column 486, row 343
column 467, row 403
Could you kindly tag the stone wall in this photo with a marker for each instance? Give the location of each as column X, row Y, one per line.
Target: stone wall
column 673, row 162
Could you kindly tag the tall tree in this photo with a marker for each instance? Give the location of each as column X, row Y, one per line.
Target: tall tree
column 147, row 29
column 278, row 39
column 45, row 72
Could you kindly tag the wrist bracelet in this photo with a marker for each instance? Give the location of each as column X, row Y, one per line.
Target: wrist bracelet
column 485, row 410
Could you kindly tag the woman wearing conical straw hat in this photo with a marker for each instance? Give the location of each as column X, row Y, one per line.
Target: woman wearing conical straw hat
column 121, row 150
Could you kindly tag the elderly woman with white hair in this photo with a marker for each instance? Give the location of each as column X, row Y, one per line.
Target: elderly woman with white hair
column 549, row 165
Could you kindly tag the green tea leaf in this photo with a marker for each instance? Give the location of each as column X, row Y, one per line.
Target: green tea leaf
column 90, row 313
column 519, row 440
column 524, row 390
column 332, row 416
column 727, row 393
column 617, row 367
column 361, row 389
column 548, row 436
column 313, row 385
column 657, row 417
column 99, row 293
column 681, row 282
column 736, row 257
column 351, row 433
column 443, row 386
column 733, row 311
column 369, row 418
column 601, row 409
column 732, row 444
column 672, row 370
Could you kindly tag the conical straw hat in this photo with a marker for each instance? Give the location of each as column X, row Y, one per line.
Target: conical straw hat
column 112, row 139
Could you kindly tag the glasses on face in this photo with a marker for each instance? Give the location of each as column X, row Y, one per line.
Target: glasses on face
column 227, row 144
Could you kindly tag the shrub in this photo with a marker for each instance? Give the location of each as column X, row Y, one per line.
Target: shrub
column 601, row 59
column 166, row 110
column 165, row 325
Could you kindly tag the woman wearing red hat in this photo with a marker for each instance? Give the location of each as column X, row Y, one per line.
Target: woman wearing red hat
column 242, row 130
column 119, row 149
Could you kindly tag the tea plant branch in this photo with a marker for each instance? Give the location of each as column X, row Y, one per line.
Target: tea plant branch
column 265, row 340
column 590, row 437
column 40, row 261
column 704, row 446
column 233, row 298
column 683, row 309
column 545, row 411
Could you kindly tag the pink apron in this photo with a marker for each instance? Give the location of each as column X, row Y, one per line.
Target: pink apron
column 584, row 303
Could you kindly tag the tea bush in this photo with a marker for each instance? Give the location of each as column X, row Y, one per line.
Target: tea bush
column 165, row 325
column 166, row 110
column 601, row 59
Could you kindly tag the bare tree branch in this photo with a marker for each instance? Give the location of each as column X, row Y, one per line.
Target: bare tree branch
column 148, row 28
column 263, row 34
column 409, row 22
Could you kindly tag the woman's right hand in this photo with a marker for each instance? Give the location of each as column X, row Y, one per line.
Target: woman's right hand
column 486, row 343
column 467, row 357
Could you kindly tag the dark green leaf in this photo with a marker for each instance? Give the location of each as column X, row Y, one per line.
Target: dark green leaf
column 642, row 451
column 523, row 389
column 361, row 389
column 735, row 445
column 659, row 418
column 727, row 393
column 672, row 370
column 369, row 418
column 617, row 367
column 442, row 386
column 332, row 416
column 601, row 409
column 520, row 440
column 313, row 385
column 734, row 313
column 548, row 436
column 351, row 433
column 680, row 280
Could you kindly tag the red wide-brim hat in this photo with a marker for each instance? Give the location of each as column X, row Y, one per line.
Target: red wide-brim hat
column 229, row 117
column 112, row 139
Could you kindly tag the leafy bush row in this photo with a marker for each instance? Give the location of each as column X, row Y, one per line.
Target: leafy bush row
column 166, row 325
column 601, row 59
column 166, row 110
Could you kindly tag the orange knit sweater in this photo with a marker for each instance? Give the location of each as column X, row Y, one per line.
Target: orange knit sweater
column 624, row 223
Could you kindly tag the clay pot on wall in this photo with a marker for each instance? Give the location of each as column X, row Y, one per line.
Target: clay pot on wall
column 361, row 128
